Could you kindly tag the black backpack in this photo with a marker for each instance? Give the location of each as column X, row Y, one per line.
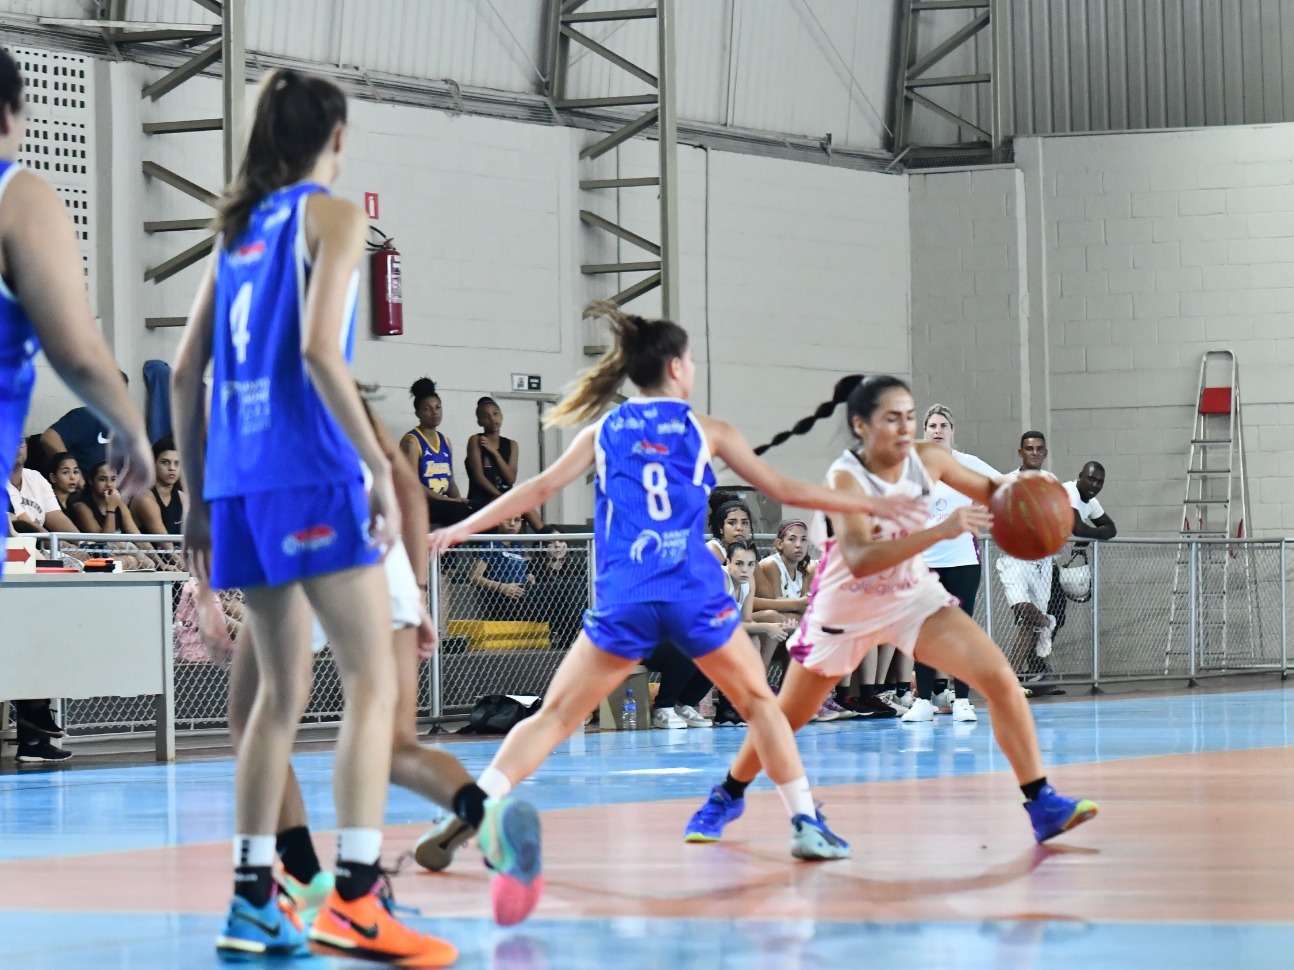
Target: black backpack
column 498, row 714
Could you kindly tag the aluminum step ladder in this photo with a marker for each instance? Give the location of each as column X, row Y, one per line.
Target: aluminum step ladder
column 1215, row 506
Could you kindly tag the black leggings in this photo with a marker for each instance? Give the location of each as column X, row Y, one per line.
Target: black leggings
column 962, row 582
column 681, row 681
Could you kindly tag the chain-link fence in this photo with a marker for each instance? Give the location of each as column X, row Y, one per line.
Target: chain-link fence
column 508, row 607
column 1141, row 609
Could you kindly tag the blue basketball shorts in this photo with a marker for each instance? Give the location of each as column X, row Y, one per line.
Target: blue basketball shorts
column 633, row 630
column 284, row 536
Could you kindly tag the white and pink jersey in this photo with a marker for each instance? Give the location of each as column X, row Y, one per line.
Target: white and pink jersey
column 849, row 615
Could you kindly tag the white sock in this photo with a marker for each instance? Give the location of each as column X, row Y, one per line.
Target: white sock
column 253, row 850
column 359, row 845
column 798, row 797
column 494, row 783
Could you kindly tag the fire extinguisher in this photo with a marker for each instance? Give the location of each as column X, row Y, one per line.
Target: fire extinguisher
column 386, row 290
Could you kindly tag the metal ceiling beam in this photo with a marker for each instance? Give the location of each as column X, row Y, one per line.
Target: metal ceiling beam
column 914, row 20
column 662, row 114
column 228, row 47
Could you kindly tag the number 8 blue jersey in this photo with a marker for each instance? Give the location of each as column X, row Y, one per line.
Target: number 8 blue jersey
column 269, row 429
column 653, row 487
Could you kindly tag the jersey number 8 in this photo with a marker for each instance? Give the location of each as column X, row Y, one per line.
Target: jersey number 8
column 656, row 484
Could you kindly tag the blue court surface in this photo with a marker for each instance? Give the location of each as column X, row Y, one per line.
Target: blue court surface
column 53, row 815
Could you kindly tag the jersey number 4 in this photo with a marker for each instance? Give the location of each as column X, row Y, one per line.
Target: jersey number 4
column 239, row 312
column 656, row 484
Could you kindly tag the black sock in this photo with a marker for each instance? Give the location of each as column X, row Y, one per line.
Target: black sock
column 297, row 853
column 840, row 693
column 1032, row 789
column 355, row 879
column 254, row 883
column 868, row 690
column 736, row 789
column 925, row 680
column 961, row 690
column 469, row 804
column 940, row 685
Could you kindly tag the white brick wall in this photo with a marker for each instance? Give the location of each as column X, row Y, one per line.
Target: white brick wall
column 792, row 274
column 966, row 286
column 1197, row 228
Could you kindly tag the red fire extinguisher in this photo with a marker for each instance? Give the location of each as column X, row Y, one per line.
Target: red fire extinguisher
column 387, row 294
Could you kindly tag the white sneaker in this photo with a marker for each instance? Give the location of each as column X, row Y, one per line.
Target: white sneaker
column 964, row 710
column 943, row 701
column 921, row 710
column 900, row 702
column 706, row 707
column 665, row 719
column 692, row 716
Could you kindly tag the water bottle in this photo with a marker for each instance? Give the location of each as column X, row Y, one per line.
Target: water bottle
column 629, row 712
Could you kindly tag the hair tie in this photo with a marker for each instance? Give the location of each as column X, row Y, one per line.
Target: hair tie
column 788, row 526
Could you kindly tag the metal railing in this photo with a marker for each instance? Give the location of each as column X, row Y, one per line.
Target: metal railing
column 1155, row 613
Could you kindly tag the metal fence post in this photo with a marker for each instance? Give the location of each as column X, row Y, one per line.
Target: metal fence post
column 433, row 593
column 1096, row 615
column 1284, row 616
column 591, row 571
column 1192, row 601
column 53, row 547
column 987, row 583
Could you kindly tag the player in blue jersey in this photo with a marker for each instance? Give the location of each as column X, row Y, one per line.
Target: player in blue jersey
column 43, row 305
column 275, row 316
column 655, row 579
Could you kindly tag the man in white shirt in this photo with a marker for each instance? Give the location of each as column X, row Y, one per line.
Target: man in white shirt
column 1027, row 586
column 1090, row 520
column 35, row 509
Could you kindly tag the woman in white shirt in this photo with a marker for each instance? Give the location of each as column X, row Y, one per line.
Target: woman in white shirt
column 955, row 561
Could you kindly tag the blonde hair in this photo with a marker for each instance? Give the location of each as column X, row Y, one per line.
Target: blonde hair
column 640, row 350
column 938, row 409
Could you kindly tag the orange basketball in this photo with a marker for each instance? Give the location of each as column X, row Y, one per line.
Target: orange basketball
column 1032, row 517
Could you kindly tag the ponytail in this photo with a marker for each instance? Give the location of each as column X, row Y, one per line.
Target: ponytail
column 296, row 114
column 844, row 387
column 640, row 350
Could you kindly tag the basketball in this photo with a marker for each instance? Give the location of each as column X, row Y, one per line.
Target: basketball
column 1032, row 517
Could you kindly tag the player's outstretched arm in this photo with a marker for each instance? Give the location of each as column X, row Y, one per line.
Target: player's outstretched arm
column 530, row 494
column 944, row 467
column 728, row 443
column 42, row 258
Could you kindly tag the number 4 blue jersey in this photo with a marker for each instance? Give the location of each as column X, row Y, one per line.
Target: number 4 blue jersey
column 653, row 487
column 269, row 429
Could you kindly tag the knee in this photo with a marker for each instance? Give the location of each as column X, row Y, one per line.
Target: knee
column 998, row 682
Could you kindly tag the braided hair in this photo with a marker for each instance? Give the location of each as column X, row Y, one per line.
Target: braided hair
column 862, row 395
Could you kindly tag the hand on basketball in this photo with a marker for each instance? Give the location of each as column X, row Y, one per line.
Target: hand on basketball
column 975, row 519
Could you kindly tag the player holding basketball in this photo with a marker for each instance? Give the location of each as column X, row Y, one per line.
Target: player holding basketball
column 873, row 587
column 655, row 578
column 275, row 315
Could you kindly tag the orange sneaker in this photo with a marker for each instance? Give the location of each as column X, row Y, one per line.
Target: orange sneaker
column 364, row 929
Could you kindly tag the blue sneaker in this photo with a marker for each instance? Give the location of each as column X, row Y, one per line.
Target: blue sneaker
column 510, row 841
column 1053, row 814
column 251, row 932
column 811, row 840
column 708, row 822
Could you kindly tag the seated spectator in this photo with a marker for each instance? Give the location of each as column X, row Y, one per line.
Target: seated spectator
column 492, row 461
column 66, row 480
column 730, row 520
column 782, row 580
column 82, row 433
column 559, row 589
column 742, row 557
column 35, row 506
column 432, row 457
column 99, row 508
column 502, row 574
column 160, row 510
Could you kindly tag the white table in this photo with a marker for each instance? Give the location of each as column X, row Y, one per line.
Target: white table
column 90, row 635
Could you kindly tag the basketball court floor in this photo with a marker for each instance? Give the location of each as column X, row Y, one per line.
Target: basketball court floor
column 1189, row 865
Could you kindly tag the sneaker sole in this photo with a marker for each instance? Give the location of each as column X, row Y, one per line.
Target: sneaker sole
column 699, row 839
column 230, row 949
column 1085, row 812
column 435, row 854
column 326, row 946
column 517, row 884
column 38, row 760
column 821, row 852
